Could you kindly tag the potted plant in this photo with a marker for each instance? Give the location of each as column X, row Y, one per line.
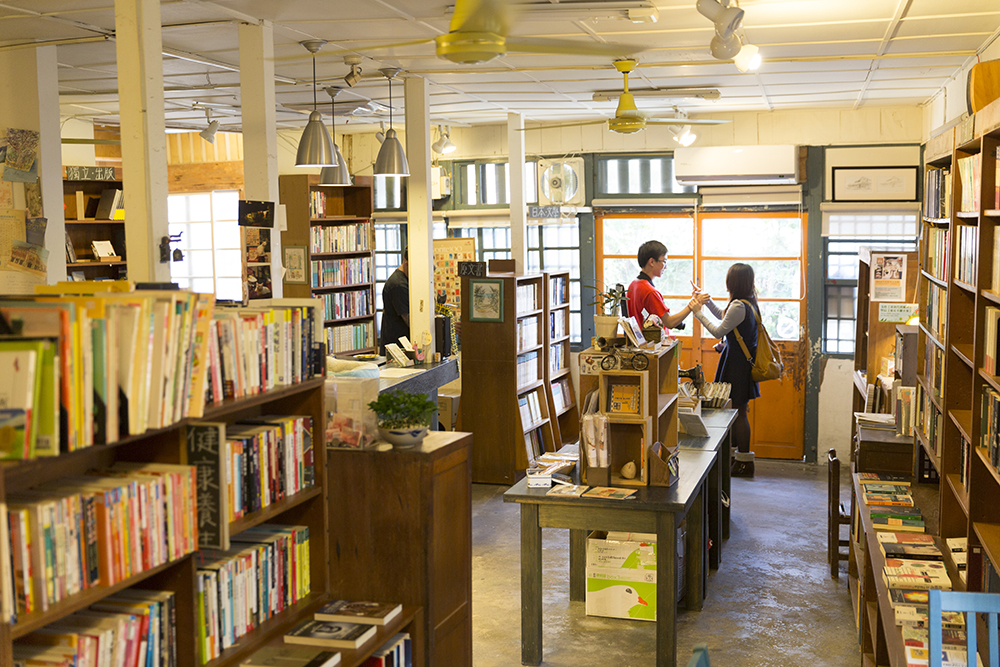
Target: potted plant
column 609, row 302
column 403, row 417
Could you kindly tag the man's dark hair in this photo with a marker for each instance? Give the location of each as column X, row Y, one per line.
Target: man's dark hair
column 650, row 250
column 406, row 253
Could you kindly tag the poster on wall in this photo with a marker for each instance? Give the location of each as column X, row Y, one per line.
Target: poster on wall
column 447, row 254
column 888, row 278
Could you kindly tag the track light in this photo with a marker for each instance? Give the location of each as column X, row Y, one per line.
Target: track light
column 683, row 135
column 748, row 59
column 443, row 145
column 725, row 48
column 727, row 19
column 208, row 134
column 353, row 76
column 391, row 160
column 315, row 147
column 380, row 135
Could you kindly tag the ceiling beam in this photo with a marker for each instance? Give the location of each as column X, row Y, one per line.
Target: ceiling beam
column 901, row 8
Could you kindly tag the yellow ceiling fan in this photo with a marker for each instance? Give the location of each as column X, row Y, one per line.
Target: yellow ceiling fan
column 628, row 119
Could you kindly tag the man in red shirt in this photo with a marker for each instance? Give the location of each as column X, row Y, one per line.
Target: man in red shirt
column 643, row 298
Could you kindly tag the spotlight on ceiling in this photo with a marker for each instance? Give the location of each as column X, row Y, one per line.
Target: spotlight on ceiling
column 724, row 48
column 443, row 145
column 208, row 134
column 380, row 135
column 748, row 59
column 353, row 76
column 726, row 19
column 683, row 135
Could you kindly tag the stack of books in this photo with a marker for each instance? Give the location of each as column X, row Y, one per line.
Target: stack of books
column 890, row 503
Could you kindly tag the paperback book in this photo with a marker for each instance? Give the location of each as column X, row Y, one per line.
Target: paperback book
column 292, row 656
column 911, row 551
column 567, row 490
column 908, row 573
column 904, row 538
column 332, row 635
column 866, row 478
column 368, row 613
column 910, row 597
column 608, row 492
column 888, row 499
column 881, row 524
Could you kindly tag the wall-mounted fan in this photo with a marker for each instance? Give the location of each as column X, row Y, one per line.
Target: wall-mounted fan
column 560, row 182
column 628, row 119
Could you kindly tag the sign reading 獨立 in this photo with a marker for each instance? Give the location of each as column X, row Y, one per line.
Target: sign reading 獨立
column 89, row 173
column 898, row 313
column 205, row 451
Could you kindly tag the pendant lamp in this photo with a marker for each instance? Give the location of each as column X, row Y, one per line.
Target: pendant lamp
column 315, row 147
column 337, row 174
column 391, row 160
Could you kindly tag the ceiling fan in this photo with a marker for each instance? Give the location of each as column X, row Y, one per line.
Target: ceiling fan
column 628, row 119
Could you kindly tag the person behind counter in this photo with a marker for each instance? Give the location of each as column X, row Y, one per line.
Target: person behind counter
column 396, row 305
column 643, row 298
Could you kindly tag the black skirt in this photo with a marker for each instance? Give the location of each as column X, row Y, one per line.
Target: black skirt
column 734, row 367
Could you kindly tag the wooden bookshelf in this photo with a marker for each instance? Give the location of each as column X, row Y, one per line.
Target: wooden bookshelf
column 82, row 185
column 563, row 406
column 503, row 364
column 334, row 226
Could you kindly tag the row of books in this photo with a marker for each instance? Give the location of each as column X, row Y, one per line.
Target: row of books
column 98, row 529
column 534, row 445
column 970, row 171
column 905, row 408
column 965, row 457
column 896, row 517
column 341, row 238
column 935, row 311
column 341, row 272
column 527, row 297
column 989, row 425
column 557, row 324
column 966, row 247
column 936, row 251
column 266, row 571
column 352, row 303
column 558, row 358
column 934, row 369
column 131, row 628
column 527, row 368
column 530, row 408
column 349, row 337
column 526, row 330
column 318, row 207
column 562, row 396
column 991, row 344
column 558, row 288
column 937, row 193
column 111, row 206
column 99, row 365
column 929, row 420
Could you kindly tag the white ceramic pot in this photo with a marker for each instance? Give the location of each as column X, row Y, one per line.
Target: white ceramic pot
column 401, row 438
column 605, row 326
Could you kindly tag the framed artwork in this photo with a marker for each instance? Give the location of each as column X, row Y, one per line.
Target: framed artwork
column 295, row 264
column 486, row 304
column 875, row 183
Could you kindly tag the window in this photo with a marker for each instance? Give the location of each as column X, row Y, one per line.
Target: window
column 389, row 193
column 846, row 230
column 488, row 183
column 210, row 241
column 638, row 176
column 388, row 256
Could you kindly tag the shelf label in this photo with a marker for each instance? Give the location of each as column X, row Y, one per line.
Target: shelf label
column 537, row 212
column 899, row 313
column 88, row 173
column 205, row 443
column 473, row 269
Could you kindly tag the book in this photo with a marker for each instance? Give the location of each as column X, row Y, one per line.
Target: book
column 903, row 538
column 291, row 656
column 888, row 499
column 906, row 573
column 624, row 398
column 897, row 525
column 567, row 490
column 888, row 489
column 913, row 551
column 102, row 249
column 909, row 596
column 882, row 478
column 897, row 512
column 333, row 635
column 957, row 543
column 368, row 613
column 608, row 492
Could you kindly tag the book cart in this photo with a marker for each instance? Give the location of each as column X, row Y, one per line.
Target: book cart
column 505, row 395
column 564, row 406
column 82, row 190
column 331, row 229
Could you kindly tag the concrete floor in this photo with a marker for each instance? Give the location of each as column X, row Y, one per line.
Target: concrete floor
column 771, row 602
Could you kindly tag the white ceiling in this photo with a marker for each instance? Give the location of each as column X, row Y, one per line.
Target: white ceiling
column 817, row 53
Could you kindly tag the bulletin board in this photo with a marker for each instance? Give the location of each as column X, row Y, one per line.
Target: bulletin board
column 447, row 254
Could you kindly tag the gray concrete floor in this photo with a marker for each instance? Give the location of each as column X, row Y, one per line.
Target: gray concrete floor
column 771, row 602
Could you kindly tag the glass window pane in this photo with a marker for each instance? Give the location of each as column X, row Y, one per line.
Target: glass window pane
column 227, row 263
column 203, row 285
column 225, row 204
column 751, row 237
column 781, row 319
column 675, row 306
column 200, row 262
column 623, row 236
column 775, row 279
column 177, row 208
column 229, row 288
column 531, row 182
column 200, row 207
column 227, row 234
column 199, row 235
column 612, row 186
column 470, row 184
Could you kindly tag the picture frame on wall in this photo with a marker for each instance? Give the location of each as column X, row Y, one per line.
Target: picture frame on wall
column 294, row 261
column 875, row 184
column 486, row 304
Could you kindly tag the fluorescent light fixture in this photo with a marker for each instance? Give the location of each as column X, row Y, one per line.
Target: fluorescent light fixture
column 315, row 146
column 391, row 160
column 748, row 59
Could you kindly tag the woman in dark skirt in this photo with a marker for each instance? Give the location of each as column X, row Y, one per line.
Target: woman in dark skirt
column 734, row 367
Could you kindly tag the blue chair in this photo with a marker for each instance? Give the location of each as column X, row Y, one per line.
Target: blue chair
column 971, row 604
column 700, row 656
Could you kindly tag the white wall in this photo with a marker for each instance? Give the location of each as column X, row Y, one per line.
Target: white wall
column 78, row 154
column 868, row 156
column 836, row 396
column 951, row 103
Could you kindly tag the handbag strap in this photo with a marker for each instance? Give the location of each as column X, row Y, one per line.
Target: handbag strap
column 736, row 330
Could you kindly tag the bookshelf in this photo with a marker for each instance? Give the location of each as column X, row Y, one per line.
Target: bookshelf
column 179, row 570
column 566, row 425
column 82, row 191
column 334, row 226
column 505, row 396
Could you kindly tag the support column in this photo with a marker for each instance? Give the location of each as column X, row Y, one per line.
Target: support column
column 260, row 134
column 518, row 214
column 139, row 47
column 33, row 73
column 418, row 209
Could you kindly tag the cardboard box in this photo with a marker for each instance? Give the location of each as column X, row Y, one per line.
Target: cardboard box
column 448, row 408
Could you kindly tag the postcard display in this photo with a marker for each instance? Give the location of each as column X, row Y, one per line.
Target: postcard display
column 23, row 257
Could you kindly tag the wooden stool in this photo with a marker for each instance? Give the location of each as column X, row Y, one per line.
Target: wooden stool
column 838, row 516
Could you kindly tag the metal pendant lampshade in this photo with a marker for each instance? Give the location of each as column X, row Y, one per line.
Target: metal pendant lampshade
column 391, row 160
column 315, row 146
column 337, row 175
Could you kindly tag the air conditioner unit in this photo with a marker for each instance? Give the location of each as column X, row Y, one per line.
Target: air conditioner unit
column 560, row 182
column 736, row 165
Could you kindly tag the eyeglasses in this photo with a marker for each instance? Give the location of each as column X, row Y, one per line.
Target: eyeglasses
column 662, row 260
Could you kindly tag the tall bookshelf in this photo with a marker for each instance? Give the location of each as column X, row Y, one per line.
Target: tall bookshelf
column 563, row 406
column 505, row 396
column 334, row 225
column 81, row 186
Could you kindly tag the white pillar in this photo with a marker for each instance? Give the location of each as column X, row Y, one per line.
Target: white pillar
column 144, row 152
column 518, row 214
column 33, row 74
column 418, row 209
column 260, row 134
